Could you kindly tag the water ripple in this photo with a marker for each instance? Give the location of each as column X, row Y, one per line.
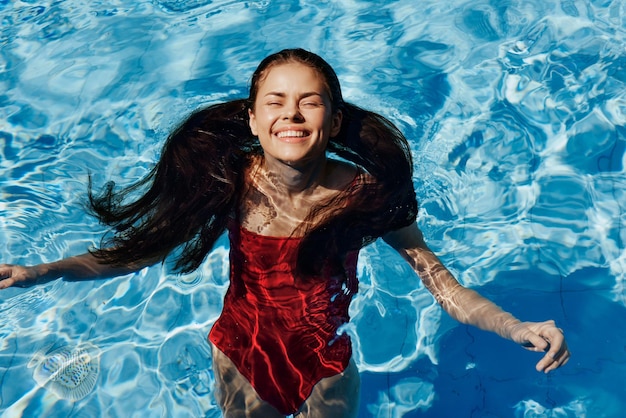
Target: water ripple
column 516, row 115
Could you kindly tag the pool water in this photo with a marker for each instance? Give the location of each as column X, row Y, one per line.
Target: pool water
column 516, row 114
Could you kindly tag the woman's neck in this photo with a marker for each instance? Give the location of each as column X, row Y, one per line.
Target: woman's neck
column 291, row 179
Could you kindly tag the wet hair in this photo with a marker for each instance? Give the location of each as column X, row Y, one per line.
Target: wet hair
column 190, row 193
column 198, row 182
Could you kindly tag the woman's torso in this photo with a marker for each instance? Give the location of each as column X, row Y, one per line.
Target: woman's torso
column 281, row 331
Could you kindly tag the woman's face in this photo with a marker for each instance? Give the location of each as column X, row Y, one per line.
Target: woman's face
column 292, row 115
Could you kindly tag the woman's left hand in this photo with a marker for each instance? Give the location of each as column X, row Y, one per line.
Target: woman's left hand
column 543, row 336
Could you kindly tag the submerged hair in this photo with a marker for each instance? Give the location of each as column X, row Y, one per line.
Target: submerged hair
column 198, row 181
column 190, row 192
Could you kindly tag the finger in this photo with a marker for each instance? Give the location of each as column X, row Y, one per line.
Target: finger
column 536, row 343
column 548, row 364
column 6, row 283
column 554, row 360
column 4, row 272
column 557, row 341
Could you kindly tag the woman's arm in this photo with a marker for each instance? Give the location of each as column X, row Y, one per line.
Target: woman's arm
column 80, row 267
column 468, row 307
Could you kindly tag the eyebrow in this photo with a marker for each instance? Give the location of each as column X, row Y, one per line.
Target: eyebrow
column 304, row 95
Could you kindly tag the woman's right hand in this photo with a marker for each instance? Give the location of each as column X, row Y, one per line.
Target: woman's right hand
column 13, row 275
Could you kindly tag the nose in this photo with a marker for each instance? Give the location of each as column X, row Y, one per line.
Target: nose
column 292, row 112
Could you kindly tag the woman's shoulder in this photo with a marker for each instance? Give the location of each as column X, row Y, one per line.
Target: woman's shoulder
column 347, row 175
column 340, row 174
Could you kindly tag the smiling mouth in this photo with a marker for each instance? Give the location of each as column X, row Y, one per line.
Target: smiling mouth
column 292, row 134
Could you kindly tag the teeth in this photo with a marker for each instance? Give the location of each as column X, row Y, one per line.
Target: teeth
column 297, row 134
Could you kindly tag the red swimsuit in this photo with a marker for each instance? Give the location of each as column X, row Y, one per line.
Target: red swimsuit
column 281, row 333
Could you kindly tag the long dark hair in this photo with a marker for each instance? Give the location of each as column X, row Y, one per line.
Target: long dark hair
column 197, row 184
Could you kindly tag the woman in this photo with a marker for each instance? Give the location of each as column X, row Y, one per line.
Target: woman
column 296, row 221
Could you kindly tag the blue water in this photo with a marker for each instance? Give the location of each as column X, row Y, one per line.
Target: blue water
column 516, row 113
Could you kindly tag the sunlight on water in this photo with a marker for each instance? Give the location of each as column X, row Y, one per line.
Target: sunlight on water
column 516, row 113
